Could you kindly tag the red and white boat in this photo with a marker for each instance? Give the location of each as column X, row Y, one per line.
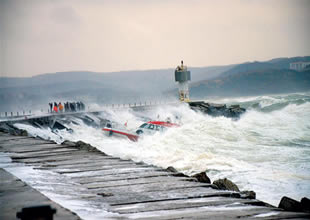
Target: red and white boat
column 150, row 127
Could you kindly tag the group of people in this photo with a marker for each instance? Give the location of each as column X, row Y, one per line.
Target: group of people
column 66, row 107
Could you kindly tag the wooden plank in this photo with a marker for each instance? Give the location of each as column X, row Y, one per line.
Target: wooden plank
column 86, row 180
column 6, row 138
column 174, row 194
column 47, row 155
column 69, row 156
column 84, row 163
column 174, row 204
column 150, row 187
column 35, row 148
column 42, row 153
column 109, row 172
column 96, row 167
column 25, row 141
column 135, row 181
column 206, row 212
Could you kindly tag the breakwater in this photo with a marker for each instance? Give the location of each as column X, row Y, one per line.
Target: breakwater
column 123, row 188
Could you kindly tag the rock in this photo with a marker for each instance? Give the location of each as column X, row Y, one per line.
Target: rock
column 23, row 132
column 84, row 146
column 233, row 111
column 171, row 169
column 226, row 184
column 289, row 204
column 305, row 203
column 202, row 177
column 69, row 143
column 175, row 172
column 248, row 195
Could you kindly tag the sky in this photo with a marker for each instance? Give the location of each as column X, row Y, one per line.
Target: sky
column 45, row 36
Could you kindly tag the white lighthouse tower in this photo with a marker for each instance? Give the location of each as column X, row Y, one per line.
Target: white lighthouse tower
column 182, row 76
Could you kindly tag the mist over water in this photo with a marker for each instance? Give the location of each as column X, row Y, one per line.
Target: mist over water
column 267, row 150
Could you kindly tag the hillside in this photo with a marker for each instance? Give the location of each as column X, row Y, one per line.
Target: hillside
column 254, row 82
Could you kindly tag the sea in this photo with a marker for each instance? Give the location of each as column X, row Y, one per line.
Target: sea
column 266, row 150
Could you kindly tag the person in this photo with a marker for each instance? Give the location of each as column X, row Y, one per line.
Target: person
column 51, row 107
column 55, row 107
column 78, row 106
column 61, row 107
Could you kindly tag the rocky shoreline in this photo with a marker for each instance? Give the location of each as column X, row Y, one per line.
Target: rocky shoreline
column 233, row 111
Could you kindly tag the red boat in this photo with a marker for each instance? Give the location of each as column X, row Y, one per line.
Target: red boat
column 150, row 127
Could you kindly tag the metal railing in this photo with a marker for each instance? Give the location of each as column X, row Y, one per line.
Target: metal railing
column 24, row 113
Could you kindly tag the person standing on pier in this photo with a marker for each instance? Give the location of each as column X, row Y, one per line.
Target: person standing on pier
column 55, row 107
column 61, row 107
column 51, row 107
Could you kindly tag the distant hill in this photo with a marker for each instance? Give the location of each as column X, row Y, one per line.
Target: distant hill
column 255, row 78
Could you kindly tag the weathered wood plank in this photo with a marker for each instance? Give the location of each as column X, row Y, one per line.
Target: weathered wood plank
column 136, row 181
column 174, row 204
column 25, row 141
column 174, row 194
column 149, row 187
column 74, row 156
column 108, row 168
column 42, row 153
column 86, row 180
column 207, row 212
column 84, row 163
column 112, row 172
column 35, row 148
column 47, row 155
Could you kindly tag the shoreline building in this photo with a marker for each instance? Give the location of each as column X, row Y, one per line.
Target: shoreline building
column 299, row 66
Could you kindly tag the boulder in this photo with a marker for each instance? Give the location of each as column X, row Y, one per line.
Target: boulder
column 226, row 184
column 84, row 146
column 171, row 169
column 202, row 177
column 289, row 204
column 212, row 109
column 248, row 195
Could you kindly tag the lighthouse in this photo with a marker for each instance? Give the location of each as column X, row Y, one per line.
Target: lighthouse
column 182, row 76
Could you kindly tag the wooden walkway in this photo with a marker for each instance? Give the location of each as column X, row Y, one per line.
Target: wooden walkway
column 136, row 190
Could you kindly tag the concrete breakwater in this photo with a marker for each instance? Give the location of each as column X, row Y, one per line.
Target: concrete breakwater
column 132, row 190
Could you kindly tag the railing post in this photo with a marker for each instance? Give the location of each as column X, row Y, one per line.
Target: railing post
column 11, row 114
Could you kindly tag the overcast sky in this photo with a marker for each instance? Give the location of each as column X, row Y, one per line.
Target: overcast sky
column 43, row 36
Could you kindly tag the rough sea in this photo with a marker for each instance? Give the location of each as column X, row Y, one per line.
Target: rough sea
column 267, row 150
